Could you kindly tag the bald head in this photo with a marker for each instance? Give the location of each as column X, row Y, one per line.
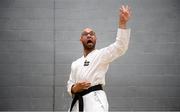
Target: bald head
column 87, row 31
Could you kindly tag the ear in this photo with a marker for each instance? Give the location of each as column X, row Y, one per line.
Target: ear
column 80, row 40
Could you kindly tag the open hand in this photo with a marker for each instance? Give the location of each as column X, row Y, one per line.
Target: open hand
column 80, row 86
column 124, row 15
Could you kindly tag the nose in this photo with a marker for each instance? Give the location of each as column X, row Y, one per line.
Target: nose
column 88, row 36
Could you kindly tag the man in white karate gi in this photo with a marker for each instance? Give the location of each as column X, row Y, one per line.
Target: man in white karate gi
column 88, row 72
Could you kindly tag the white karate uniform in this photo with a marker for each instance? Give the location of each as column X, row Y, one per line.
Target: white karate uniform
column 99, row 61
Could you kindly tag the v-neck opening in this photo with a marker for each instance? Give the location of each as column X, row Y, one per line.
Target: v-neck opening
column 88, row 54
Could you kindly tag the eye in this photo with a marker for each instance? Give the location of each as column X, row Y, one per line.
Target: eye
column 84, row 34
column 92, row 33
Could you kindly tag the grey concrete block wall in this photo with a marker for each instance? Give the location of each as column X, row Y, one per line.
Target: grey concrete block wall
column 40, row 38
column 26, row 54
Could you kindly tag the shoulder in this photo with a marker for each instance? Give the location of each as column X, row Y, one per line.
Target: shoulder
column 76, row 62
column 97, row 51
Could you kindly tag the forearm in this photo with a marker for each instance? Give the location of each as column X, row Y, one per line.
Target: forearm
column 69, row 86
column 122, row 41
column 118, row 48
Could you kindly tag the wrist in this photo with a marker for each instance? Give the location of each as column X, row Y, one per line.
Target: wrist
column 73, row 91
column 122, row 24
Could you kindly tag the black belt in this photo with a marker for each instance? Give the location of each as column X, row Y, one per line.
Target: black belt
column 78, row 96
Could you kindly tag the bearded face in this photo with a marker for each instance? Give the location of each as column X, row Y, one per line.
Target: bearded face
column 88, row 39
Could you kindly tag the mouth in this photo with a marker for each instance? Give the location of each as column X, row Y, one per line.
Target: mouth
column 89, row 41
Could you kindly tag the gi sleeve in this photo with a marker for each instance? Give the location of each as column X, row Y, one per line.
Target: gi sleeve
column 71, row 81
column 118, row 48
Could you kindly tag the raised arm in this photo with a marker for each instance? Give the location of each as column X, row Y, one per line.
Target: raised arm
column 120, row 46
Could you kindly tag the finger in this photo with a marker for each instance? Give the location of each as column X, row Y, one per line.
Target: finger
column 123, row 7
column 129, row 11
column 84, row 81
column 81, row 81
column 87, row 81
column 82, row 84
column 126, row 7
column 87, row 84
column 120, row 11
column 125, row 10
column 86, row 88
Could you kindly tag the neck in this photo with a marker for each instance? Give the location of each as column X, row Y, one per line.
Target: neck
column 87, row 51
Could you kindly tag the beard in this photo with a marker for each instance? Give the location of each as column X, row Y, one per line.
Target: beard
column 89, row 46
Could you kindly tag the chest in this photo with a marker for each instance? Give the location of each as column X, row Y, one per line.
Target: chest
column 86, row 64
